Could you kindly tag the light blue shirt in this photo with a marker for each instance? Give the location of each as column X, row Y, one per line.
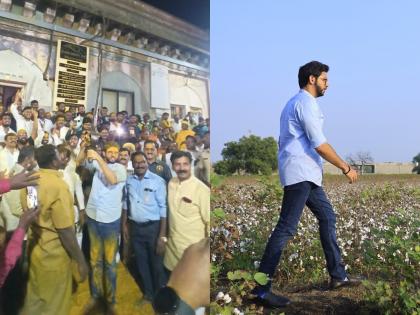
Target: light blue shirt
column 105, row 200
column 145, row 199
column 301, row 124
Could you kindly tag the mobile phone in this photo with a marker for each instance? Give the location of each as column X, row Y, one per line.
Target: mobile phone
column 32, row 197
column 132, row 133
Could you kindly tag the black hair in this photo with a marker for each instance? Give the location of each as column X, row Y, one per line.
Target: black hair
column 151, row 141
column 6, row 114
column 9, row 135
column 63, row 148
column 86, row 120
column 25, row 108
column 59, row 116
column 25, row 152
column 134, row 154
column 191, row 137
column 34, row 101
column 102, row 127
column 314, row 68
column 179, row 154
column 45, row 155
column 125, row 150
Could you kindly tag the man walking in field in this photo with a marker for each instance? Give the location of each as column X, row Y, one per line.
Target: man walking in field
column 302, row 145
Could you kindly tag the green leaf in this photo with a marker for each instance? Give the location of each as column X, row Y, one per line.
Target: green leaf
column 219, row 213
column 246, row 276
column 227, row 310
column 261, row 278
column 236, row 275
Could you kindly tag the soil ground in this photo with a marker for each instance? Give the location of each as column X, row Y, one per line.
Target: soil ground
column 317, row 299
column 128, row 297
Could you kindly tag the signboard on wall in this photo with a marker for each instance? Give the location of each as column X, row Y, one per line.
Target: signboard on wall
column 159, row 81
column 71, row 71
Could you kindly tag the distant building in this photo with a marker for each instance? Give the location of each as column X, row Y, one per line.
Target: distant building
column 151, row 60
column 375, row 168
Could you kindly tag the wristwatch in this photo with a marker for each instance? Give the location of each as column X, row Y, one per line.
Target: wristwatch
column 168, row 302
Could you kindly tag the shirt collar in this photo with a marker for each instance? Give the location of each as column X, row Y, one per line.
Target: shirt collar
column 146, row 175
column 304, row 91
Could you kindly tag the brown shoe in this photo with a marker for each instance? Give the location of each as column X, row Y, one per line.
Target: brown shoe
column 110, row 310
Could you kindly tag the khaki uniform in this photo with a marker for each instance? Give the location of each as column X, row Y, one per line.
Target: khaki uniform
column 50, row 276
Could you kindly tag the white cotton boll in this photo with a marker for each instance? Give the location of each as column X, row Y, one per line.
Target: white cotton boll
column 227, row 299
column 220, row 296
column 293, row 256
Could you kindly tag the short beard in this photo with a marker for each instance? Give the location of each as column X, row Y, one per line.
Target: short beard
column 319, row 92
column 23, row 141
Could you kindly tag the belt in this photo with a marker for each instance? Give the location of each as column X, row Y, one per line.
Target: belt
column 145, row 223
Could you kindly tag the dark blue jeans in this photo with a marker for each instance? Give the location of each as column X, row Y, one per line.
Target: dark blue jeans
column 294, row 200
column 149, row 264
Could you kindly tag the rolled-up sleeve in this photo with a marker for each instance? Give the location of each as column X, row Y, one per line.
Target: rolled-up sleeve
column 311, row 119
column 161, row 197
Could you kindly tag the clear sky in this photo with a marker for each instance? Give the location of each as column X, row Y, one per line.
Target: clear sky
column 372, row 48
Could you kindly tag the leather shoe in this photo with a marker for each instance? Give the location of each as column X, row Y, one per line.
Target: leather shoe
column 348, row 281
column 272, row 300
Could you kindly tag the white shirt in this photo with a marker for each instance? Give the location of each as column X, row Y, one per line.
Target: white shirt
column 21, row 122
column 169, row 163
column 56, row 140
column 74, row 183
column 4, row 132
column 8, row 159
column 44, row 125
column 176, row 126
column 10, row 205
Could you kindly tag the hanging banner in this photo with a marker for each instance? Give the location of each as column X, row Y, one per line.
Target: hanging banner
column 71, row 71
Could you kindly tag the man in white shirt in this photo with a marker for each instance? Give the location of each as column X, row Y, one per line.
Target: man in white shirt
column 6, row 120
column 176, row 124
column 9, row 155
column 10, row 205
column 58, row 133
column 103, row 213
column 44, row 124
column 24, row 120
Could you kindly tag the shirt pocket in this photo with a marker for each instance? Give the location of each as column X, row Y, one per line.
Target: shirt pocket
column 148, row 196
column 188, row 208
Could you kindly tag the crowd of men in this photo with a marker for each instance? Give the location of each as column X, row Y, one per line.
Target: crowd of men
column 108, row 183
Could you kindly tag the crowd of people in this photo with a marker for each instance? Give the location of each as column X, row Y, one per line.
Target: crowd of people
column 108, row 185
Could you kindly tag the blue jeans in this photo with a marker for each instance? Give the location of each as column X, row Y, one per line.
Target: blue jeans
column 103, row 250
column 294, row 200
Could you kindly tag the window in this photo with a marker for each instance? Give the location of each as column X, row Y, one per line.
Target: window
column 6, row 95
column 178, row 110
column 117, row 101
